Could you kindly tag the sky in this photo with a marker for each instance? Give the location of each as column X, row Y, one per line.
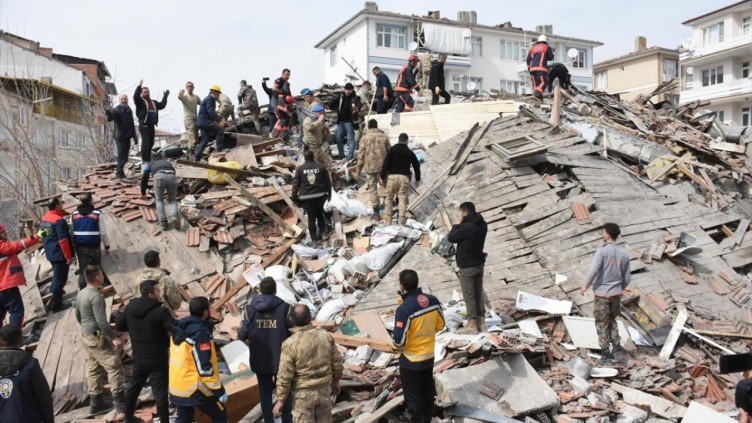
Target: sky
column 168, row 42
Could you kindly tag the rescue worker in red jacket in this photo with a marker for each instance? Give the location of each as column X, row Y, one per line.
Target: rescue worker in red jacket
column 12, row 275
column 58, row 249
column 537, row 64
column 405, row 85
column 284, row 115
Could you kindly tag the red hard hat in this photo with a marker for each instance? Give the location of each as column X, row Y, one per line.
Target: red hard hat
column 290, row 99
column 413, row 57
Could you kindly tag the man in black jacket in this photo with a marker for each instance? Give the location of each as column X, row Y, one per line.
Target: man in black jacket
column 436, row 80
column 395, row 174
column 148, row 324
column 312, row 187
column 266, row 325
column 125, row 130
column 470, row 237
column 24, row 392
column 147, row 112
column 347, row 106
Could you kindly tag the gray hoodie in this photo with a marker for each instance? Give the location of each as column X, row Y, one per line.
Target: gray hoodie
column 609, row 274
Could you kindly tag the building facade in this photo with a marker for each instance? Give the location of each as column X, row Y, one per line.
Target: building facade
column 639, row 72
column 492, row 57
column 716, row 63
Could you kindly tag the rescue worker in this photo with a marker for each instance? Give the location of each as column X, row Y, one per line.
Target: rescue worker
column 405, row 85
column 194, row 369
column 101, row 344
column 265, row 327
column 310, row 99
column 426, row 60
column 436, row 82
column 271, row 107
column 125, row 130
column 24, row 392
column 89, row 234
column 315, row 132
column 312, row 187
column 384, row 91
column 226, row 108
column 209, row 122
column 470, row 237
column 58, row 250
column 169, row 292
column 395, row 175
column 248, row 100
column 12, row 274
column 371, row 157
column 190, row 107
column 366, row 95
column 284, row 117
column 147, row 112
column 537, row 64
column 416, row 322
column 281, row 89
column 148, row 325
column 309, row 370
column 165, row 183
column 347, row 106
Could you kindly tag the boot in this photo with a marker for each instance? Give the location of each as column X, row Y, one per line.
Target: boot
column 177, row 223
column 164, row 225
column 97, row 404
column 376, row 216
column 119, row 401
column 481, row 323
column 619, row 353
column 469, row 329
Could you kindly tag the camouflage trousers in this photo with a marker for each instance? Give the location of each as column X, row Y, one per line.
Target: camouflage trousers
column 396, row 185
column 372, row 184
column 312, row 405
column 606, row 311
column 191, row 133
column 103, row 362
column 321, row 155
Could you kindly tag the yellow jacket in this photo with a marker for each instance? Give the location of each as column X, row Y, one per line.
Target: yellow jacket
column 194, row 372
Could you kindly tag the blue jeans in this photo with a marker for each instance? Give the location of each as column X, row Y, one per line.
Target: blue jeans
column 210, row 408
column 340, row 135
column 266, row 386
column 59, row 278
column 11, row 302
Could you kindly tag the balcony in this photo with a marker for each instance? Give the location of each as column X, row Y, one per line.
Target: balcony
column 59, row 113
column 693, row 91
column 724, row 43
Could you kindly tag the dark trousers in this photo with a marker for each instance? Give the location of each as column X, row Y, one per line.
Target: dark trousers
column 123, row 147
column 471, row 282
column 212, row 408
column 158, row 377
column 88, row 255
column 266, row 387
column 147, row 141
column 12, row 302
column 404, row 101
column 272, row 119
column 59, row 278
column 382, row 106
column 315, row 210
column 444, row 94
column 540, row 79
column 209, row 133
column 419, row 390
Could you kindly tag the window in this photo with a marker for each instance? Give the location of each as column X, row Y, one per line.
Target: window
column 712, row 76
column 23, row 189
column 459, row 83
column 580, row 61
column 671, row 68
column 712, row 34
column 745, row 69
column 601, row 80
column 510, row 86
column 720, row 115
column 81, row 141
column 63, row 141
column 476, row 43
column 391, row 36
column 512, row 50
column 333, row 56
column 747, row 25
column 746, row 116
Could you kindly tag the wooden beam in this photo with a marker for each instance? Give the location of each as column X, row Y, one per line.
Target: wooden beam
column 556, row 109
column 293, row 230
column 724, row 334
column 357, row 341
column 289, row 202
column 382, row 411
column 740, row 231
column 242, row 172
column 339, row 235
column 693, row 176
column 570, row 97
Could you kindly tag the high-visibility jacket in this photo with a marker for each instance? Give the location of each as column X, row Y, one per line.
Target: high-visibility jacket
column 57, row 246
column 86, row 228
column 11, row 269
column 538, row 56
column 416, row 323
column 194, row 371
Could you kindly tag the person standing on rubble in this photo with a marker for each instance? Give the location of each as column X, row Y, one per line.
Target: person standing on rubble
column 125, row 130
column 537, row 64
column 384, row 91
column 436, row 82
column 25, row 395
column 190, row 106
column 226, row 108
column 416, row 322
column 281, row 88
column 314, row 133
column 101, row 344
column 58, row 250
column 194, row 367
column 271, row 106
column 406, row 85
column 347, row 106
column 395, row 175
column 310, row 367
column 470, row 237
column 89, row 233
column 426, row 68
column 148, row 324
column 12, row 275
column 147, row 112
column 165, row 183
column 209, row 122
column 284, row 117
column 266, row 325
column 609, row 276
column 371, row 157
column 312, row 187
column 169, row 292
column 310, row 99
column 248, row 100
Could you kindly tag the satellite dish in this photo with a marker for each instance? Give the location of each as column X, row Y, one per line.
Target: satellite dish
column 470, row 86
column 690, row 70
column 413, row 46
column 572, row 53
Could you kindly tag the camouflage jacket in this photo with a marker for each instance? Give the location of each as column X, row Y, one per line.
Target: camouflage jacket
column 309, row 359
column 247, row 98
column 313, row 132
column 170, row 294
column 373, row 148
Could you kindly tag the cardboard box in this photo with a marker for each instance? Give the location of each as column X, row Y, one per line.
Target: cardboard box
column 242, row 390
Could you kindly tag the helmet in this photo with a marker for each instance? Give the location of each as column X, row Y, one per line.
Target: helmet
column 542, row 39
column 216, row 88
column 290, row 99
column 413, row 58
column 306, row 91
column 317, row 108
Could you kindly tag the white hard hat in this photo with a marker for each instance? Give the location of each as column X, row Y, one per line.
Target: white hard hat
column 542, row 39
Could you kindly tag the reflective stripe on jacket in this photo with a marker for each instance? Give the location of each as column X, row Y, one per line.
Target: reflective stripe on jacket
column 86, row 228
column 417, row 321
column 187, row 379
column 538, row 56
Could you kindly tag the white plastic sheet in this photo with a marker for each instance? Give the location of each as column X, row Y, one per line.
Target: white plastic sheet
column 346, row 206
column 447, row 39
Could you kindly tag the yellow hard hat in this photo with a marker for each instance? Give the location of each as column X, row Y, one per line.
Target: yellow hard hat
column 216, row 88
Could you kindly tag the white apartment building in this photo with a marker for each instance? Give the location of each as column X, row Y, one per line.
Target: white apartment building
column 715, row 63
column 493, row 57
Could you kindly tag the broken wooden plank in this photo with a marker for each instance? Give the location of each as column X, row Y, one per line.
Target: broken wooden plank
column 357, row 341
column 740, row 231
column 293, row 230
column 381, row 412
column 673, row 336
column 727, row 146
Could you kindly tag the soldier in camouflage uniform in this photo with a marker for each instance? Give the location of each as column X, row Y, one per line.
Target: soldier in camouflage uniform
column 371, row 156
column 248, row 100
column 309, row 369
column 314, row 133
column 169, row 292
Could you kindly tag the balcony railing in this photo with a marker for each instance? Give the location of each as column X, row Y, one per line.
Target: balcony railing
column 695, row 91
column 60, row 113
column 723, row 43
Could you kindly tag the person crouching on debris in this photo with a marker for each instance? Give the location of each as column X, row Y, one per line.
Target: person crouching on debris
column 24, row 392
column 209, row 122
column 169, row 292
column 416, row 322
column 312, row 188
column 470, row 237
column 395, row 175
column 12, row 274
column 371, row 155
column 165, row 182
column 310, row 367
column 609, row 276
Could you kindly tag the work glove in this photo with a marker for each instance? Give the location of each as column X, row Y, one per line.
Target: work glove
column 44, row 232
column 223, row 399
column 166, row 93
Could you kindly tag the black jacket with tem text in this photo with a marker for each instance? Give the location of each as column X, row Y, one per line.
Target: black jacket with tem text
column 311, row 181
column 470, row 237
column 266, row 325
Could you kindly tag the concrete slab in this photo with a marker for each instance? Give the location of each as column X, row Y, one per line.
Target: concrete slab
column 698, row 413
column 583, row 333
column 516, row 375
column 658, row 405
